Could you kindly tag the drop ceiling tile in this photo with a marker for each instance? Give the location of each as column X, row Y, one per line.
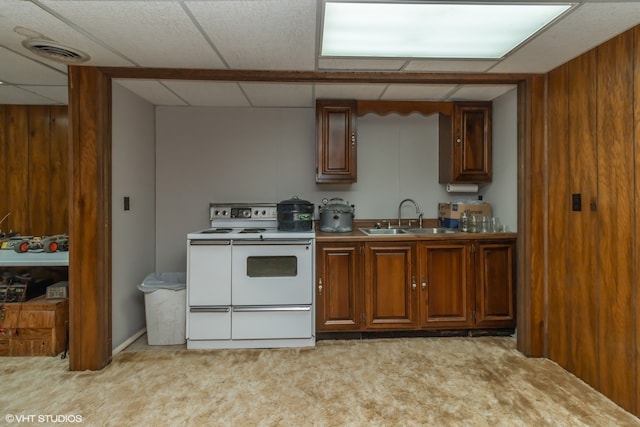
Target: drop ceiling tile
column 417, row 92
column 36, row 18
column 266, row 34
column 153, row 91
column 479, row 92
column 205, row 93
column 448, row 66
column 149, row 33
column 279, row 94
column 55, row 94
column 10, row 94
column 586, row 27
column 349, row 91
column 27, row 71
column 360, row 64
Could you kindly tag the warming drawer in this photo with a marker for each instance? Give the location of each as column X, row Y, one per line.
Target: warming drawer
column 272, row 322
column 209, row 323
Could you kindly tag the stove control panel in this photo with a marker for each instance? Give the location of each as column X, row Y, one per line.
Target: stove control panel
column 243, row 211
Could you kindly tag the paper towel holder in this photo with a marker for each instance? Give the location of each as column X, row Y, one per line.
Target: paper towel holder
column 462, row 188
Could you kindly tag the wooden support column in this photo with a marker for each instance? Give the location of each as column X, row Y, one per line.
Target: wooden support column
column 89, row 219
column 531, row 216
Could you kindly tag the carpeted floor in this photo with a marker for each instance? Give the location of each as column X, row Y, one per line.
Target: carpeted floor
column 480, row 381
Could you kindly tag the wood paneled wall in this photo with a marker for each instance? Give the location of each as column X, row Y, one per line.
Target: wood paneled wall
column 34, row 169
column 592, row 256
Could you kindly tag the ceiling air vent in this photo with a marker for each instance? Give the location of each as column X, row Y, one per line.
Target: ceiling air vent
column 55, row 51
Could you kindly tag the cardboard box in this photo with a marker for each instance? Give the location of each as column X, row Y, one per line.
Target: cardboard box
column 449, row 212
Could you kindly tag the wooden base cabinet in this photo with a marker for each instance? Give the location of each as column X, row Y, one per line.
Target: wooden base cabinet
column 446, row 288
column 338, row 290
column 409, row 285
column 391, row 290
column 467, row 284
column 495, row 270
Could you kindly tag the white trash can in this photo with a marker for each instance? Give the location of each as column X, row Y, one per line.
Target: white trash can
column 165, row 307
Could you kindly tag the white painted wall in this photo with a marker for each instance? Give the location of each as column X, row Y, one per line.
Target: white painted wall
column 268, row 155
column 133, row 237
column 503, row 191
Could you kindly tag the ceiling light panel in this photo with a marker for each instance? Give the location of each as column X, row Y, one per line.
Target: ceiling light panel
column 431, row 30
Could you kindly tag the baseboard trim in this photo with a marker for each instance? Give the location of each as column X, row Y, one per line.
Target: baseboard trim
column 128, row 341
column 363, row 335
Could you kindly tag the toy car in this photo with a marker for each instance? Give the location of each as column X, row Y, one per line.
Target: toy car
column 58, row 242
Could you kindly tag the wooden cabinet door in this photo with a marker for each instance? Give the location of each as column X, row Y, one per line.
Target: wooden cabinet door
column 465, row 143
column 338, row 290
column 445, row 285
column 390, row 285
column 336, row 141
column 495, row 284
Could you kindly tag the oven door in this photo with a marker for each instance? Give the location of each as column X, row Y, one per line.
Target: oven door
column 272, row 272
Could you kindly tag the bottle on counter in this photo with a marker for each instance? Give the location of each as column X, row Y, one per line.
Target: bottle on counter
column 464, row 222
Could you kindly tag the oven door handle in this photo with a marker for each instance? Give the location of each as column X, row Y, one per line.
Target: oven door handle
column 254, row 242
column 209, row 242
column 209, row 309
column 262, row 308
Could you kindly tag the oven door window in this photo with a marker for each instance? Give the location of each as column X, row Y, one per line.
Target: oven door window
column 272, row 266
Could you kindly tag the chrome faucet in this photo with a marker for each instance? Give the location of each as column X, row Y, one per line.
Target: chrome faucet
column 417, row 211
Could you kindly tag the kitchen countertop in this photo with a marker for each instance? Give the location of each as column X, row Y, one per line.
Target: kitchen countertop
column 357, row 235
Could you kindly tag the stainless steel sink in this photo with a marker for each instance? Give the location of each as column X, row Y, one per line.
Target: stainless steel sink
column 436, row 230
column 383, row 231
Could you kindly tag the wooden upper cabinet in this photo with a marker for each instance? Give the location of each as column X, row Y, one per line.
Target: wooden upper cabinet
column 446, row 287
column 465, row 143
column 336, row 158
column 391, row 291
column 495, row 284
column 338, row 290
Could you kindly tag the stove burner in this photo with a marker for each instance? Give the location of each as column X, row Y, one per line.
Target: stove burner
column 253, row 230
column 217, row 230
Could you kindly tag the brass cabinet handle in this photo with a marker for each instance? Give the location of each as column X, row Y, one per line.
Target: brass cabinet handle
column 413, row 283
column 320, row 286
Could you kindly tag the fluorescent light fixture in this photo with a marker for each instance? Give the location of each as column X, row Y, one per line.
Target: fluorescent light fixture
column 432, row 30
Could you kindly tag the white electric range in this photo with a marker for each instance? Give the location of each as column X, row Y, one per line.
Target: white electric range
column 249, row 285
